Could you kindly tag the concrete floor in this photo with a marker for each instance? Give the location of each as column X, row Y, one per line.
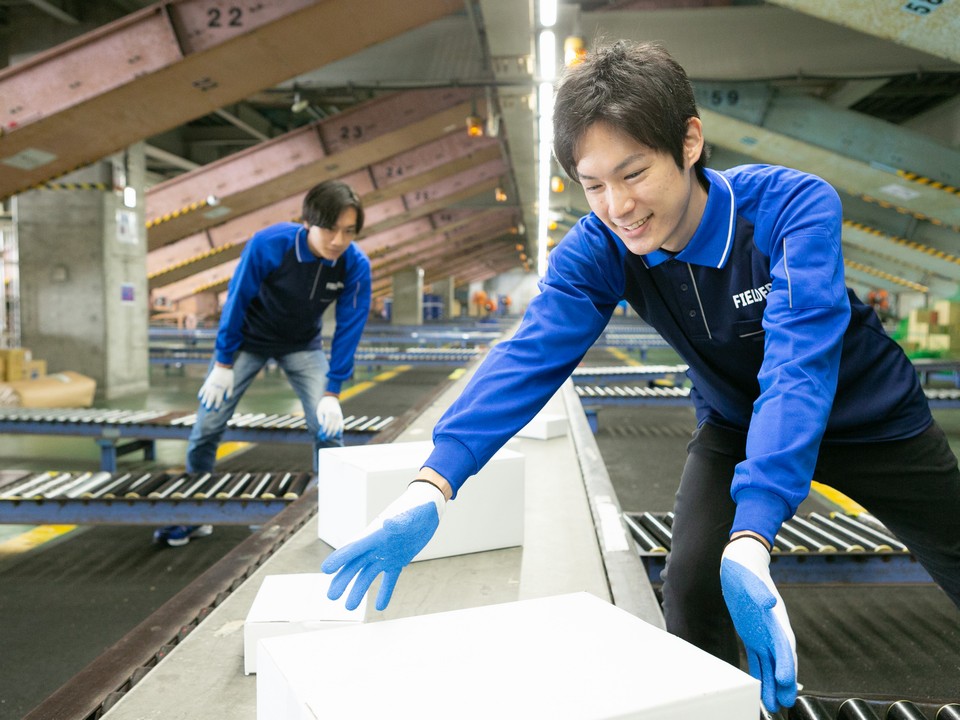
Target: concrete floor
column 65, row 600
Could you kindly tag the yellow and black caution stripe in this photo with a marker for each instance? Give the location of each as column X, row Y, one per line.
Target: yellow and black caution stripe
column 921, row 180
column 190, row 260
column 167, row 217
column 912, row 244
column 897, row 280
column 73, row 186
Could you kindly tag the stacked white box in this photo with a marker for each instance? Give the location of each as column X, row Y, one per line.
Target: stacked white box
column 544, row 426
column 356, row 483
column 294, row 603
column 567, row 657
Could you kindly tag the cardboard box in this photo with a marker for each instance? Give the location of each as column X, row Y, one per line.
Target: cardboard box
column 948, row 312
column 567, row 657
column 295, row 603
column 15, row 363
column 59, row 390
column 544, row 426
column 356, row 483
column 34, row 369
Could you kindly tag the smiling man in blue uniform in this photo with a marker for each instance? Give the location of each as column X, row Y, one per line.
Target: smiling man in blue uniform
column 794, row 378
column 289, row 274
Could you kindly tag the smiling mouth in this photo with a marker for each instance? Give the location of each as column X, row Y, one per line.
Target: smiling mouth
column 638, row 223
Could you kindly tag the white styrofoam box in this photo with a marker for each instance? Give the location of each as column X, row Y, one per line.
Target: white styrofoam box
column 287, row 604
column 544, row 426
column 566, row 657
column 357, row 483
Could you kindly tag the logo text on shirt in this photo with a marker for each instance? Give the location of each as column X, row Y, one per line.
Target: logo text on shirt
column 753, row 295
column 334, row 286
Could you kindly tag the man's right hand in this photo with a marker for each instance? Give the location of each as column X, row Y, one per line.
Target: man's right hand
column 217, row 387
column 387, row 545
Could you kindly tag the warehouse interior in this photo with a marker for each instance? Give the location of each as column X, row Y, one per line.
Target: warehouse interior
column 143, row 143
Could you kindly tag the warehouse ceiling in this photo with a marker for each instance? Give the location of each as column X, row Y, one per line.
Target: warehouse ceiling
column 243, row 106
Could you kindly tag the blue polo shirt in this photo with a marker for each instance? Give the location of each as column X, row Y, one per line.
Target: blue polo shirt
column 755, row 304
column 279, row 292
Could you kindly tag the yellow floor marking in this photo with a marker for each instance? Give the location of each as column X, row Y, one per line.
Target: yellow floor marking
column 229, row 448
column 457, row 374
column 622, row 356
column 851, row 507
column 33, row 538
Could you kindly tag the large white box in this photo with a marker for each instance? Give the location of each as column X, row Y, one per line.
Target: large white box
column 567, row 657
column 357, row 483
column 294, row 603
column 544, row 426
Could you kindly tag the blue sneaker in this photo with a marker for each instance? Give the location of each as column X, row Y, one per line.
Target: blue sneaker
column 179, row 535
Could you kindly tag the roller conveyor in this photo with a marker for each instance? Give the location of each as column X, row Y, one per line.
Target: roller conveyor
column 600, row 375
column 597, row 395
column 178, row 356
column 149, row 498
column 813, row 707
column 817, row 548
column 119, row 432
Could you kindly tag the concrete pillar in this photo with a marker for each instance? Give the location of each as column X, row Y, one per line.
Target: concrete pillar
column 407, row 297
column 444, row 288
column 83, row 280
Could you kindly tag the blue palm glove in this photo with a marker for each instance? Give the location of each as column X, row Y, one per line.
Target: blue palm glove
column 761, row 620
column 387, row 546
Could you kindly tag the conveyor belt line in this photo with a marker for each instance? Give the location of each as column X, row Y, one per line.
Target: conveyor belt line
column 656, row 528
column 29, row 484
column 95, row 479
column 863, row 526
column 647, row 543
column 142, row 486
column 235, row 487
column 216, row 487
column 107, row 488
column 190, row 490
column 782, row 542
column 166, row 490
column 62, row 490
column 837, row 542
column 257, row 487
column 857, row 538
column 812, row 542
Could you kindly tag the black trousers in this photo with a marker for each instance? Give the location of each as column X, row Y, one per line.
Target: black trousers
column 912, row 486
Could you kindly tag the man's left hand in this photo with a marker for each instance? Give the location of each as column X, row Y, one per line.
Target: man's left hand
column 761, row 620
column 330, row 417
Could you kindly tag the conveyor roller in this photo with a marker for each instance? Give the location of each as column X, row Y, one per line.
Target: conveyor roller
column 818, row 548
column 119, row 432
column 154, row 498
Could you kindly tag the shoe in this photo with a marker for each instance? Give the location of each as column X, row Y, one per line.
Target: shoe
column 179, row 535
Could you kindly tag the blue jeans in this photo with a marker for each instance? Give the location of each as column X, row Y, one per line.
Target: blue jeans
column 307, row 373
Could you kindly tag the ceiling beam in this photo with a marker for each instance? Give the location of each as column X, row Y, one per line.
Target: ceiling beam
column 932, row 27
column 155, row 69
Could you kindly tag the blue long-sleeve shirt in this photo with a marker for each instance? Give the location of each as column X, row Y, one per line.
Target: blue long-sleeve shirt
column 757, row 307
column 279, row 292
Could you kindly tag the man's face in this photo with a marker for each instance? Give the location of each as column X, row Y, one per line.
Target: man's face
column 640, row 193
column 330, row 243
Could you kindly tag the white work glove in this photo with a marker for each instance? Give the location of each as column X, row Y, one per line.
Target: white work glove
column 216, row 388
column 330, row 417
column 387, row 546
column 761, row 620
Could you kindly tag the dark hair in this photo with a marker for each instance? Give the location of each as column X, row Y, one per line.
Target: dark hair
column 636, row 88
column 324, row 203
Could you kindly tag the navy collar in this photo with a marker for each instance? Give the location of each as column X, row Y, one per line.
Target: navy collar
column 303, row 250
column 711, row 243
